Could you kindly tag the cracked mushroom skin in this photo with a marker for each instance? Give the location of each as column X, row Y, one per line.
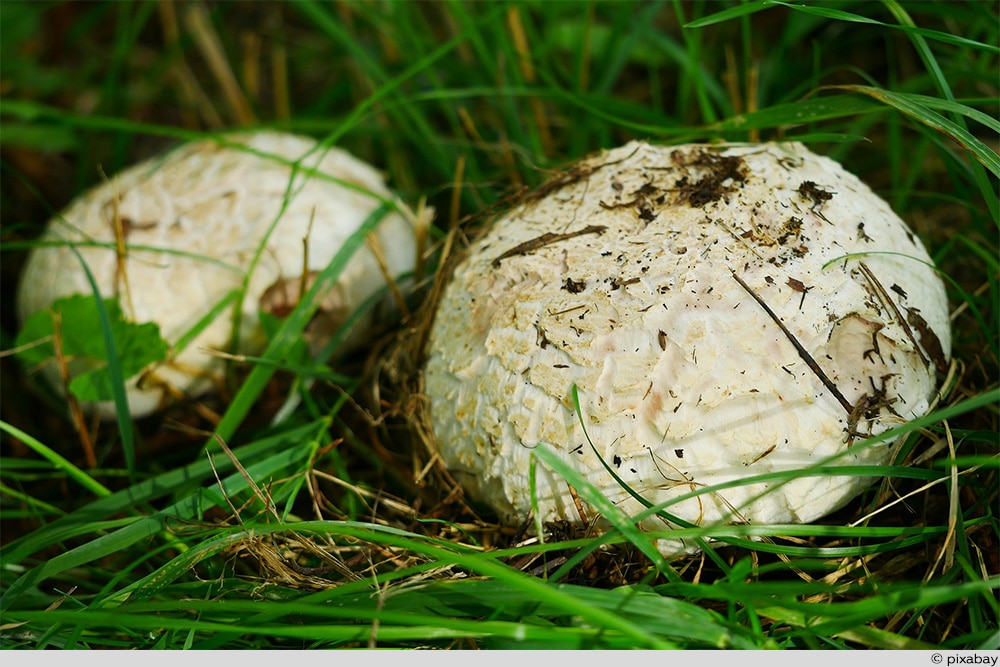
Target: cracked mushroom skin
column 193, row 220
column 724, row 312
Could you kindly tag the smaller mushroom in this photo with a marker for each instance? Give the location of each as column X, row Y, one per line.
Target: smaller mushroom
column 719, row 317
column 268, row 208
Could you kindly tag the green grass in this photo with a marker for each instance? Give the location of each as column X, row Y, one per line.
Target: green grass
column 324, row 530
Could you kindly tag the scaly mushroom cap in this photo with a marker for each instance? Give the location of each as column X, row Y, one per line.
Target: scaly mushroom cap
column 725, row 312
column 193, row 220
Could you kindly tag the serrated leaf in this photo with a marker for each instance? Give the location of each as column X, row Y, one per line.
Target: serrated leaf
column 82, row 343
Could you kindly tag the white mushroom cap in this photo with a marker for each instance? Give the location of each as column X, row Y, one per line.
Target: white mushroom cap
column 633, row 278
column 215, row 204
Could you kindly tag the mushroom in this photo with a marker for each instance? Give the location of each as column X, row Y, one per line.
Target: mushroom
column 723, row 311
column 191, row 223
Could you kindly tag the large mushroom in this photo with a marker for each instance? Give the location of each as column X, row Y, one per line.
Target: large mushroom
column 724, row 311
column 173, row 236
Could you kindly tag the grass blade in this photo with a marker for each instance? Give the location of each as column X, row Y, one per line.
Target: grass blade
column 57, row 461
column 122, row 412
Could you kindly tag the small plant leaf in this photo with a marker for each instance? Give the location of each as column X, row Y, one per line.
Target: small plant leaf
column 82, row 344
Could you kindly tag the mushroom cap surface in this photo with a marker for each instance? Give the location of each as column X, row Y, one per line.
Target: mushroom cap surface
column 193, row 219
column 667, row 284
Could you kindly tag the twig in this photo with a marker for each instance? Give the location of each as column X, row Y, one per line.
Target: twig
column 803, row 354
column 545, row 239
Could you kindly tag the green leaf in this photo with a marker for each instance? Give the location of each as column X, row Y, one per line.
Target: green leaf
column 40, row 137
column 82, row 344
column 833, row 14
column 57, row 460
column 298, row 353
column 798, row 113
column 915, row 107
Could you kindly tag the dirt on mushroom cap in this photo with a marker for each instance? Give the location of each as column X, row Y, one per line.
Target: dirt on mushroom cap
column 724, row 311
